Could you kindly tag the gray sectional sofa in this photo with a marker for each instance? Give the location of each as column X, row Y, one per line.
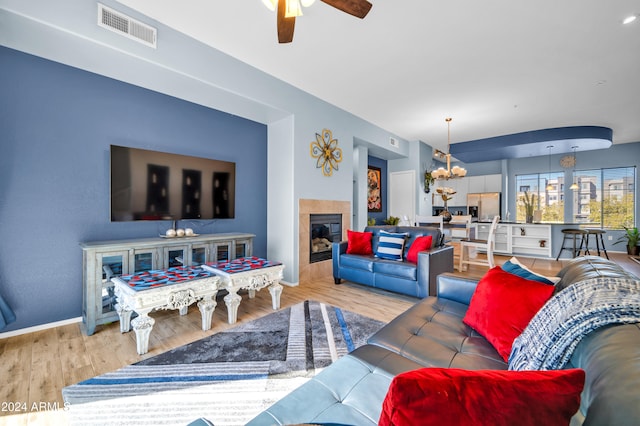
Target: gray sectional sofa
column 432, row 334
column 417, row 280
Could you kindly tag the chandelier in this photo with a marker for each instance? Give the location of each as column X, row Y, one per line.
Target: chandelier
column 450, row 173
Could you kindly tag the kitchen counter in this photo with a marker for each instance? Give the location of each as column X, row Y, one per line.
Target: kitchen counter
column 511, row 241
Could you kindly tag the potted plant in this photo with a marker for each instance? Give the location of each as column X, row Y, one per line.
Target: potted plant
column 631, row 237
column 392, row 220
column 529, row 205
column 428, row 180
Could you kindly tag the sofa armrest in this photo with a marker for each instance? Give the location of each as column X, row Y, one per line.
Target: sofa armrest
column 336, row 250
column 432, row 263
column 456, row 288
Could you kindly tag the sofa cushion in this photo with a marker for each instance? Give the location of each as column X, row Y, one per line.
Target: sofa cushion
column 359, row 242
column 502, row 306
column 421, row 243
column 449, row 396
column 391, row 245
column 513, row 266
column 349, row 392
column 432, row 334
column 357, row 261
column 586, row 267
column 415, row 232
column 403, row 270
column 375, row 230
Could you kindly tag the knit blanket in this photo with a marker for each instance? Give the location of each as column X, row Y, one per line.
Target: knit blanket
column 549, row 340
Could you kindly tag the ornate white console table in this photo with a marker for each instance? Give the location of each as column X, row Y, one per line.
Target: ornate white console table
column 248, row 273
column 175, row 288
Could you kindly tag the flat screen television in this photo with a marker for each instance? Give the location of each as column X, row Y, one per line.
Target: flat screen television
column 152, row 185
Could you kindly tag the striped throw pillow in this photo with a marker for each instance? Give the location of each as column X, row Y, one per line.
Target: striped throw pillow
column 390, row 245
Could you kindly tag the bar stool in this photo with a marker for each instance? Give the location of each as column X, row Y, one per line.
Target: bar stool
column 598, row 235
column 573, row 234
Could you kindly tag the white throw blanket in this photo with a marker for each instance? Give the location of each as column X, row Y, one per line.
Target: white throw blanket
column 556, row 330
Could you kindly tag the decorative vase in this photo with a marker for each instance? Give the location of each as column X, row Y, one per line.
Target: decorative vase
column 446, row 215
column 529, row 219
column 537, row 216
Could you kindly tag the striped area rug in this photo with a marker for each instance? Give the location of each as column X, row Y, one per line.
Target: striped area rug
column 228, row 377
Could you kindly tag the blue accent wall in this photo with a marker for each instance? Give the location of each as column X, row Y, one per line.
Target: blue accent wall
column 56, row 124
column 377, row 162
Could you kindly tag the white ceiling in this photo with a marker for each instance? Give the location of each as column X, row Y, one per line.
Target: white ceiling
column 496, row 66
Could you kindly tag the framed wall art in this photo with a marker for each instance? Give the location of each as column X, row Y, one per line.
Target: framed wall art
column 374, row 189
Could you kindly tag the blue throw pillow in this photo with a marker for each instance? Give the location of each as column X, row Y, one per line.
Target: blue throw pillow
column 514, row 267
column 390, row 245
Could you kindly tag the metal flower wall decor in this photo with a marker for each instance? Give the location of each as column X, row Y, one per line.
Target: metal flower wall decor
column 325, row 150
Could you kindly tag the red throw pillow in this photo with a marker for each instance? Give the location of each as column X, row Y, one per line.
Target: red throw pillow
column 503, row 305
column 419, row 244
column 359, row 242
column 449, row 396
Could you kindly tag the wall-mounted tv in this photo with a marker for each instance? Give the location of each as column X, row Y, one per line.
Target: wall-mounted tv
column 152, row 185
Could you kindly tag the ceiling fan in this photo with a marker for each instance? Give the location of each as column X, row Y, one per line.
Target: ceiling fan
column 287, row 11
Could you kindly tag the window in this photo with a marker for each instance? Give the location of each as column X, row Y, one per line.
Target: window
column 605, row 197
column 550, row 202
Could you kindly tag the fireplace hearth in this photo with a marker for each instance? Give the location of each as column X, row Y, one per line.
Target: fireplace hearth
column 325, row 229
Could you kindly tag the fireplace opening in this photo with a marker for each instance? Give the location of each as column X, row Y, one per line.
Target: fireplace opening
column 325, row 230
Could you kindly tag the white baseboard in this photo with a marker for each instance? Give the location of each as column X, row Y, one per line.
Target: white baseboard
column 39, row 327
column 288, row 284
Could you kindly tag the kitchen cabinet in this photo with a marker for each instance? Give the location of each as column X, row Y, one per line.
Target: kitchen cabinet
column 485, row 183
column 467, row 185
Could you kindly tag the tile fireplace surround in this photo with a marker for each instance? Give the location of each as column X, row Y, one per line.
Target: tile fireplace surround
column 305, row 209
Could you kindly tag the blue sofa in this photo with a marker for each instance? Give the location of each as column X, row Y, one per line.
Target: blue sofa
column 417, row 280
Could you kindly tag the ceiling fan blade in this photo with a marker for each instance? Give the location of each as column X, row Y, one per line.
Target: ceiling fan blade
column 285, row 25
column 357, row 8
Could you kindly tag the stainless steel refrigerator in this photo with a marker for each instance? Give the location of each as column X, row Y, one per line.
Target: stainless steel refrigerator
column 483, row 206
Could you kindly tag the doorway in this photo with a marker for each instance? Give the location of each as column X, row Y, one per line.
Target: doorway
column 402, row 195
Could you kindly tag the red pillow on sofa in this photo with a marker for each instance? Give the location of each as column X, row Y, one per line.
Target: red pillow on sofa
column 503, row 305
column 359, row 242
column 419, row 244
column 450, row 396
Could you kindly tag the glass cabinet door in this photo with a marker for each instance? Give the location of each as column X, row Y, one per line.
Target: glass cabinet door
column 243, row 248
column 175, row 256
column 221, row 251
column 199, row 254
column 143, row 260
column 112, row 265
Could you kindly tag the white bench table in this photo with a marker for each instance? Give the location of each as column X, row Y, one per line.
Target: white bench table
column 247, row 273
column 174, row 288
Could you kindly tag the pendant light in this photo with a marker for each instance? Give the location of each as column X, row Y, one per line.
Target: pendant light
column 574, row 185
column 549, row 186
column 450, row 173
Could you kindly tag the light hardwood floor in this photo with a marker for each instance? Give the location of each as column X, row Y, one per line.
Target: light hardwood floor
column 35, row 367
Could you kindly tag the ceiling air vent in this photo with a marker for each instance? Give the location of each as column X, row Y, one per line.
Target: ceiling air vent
column 126, row 26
